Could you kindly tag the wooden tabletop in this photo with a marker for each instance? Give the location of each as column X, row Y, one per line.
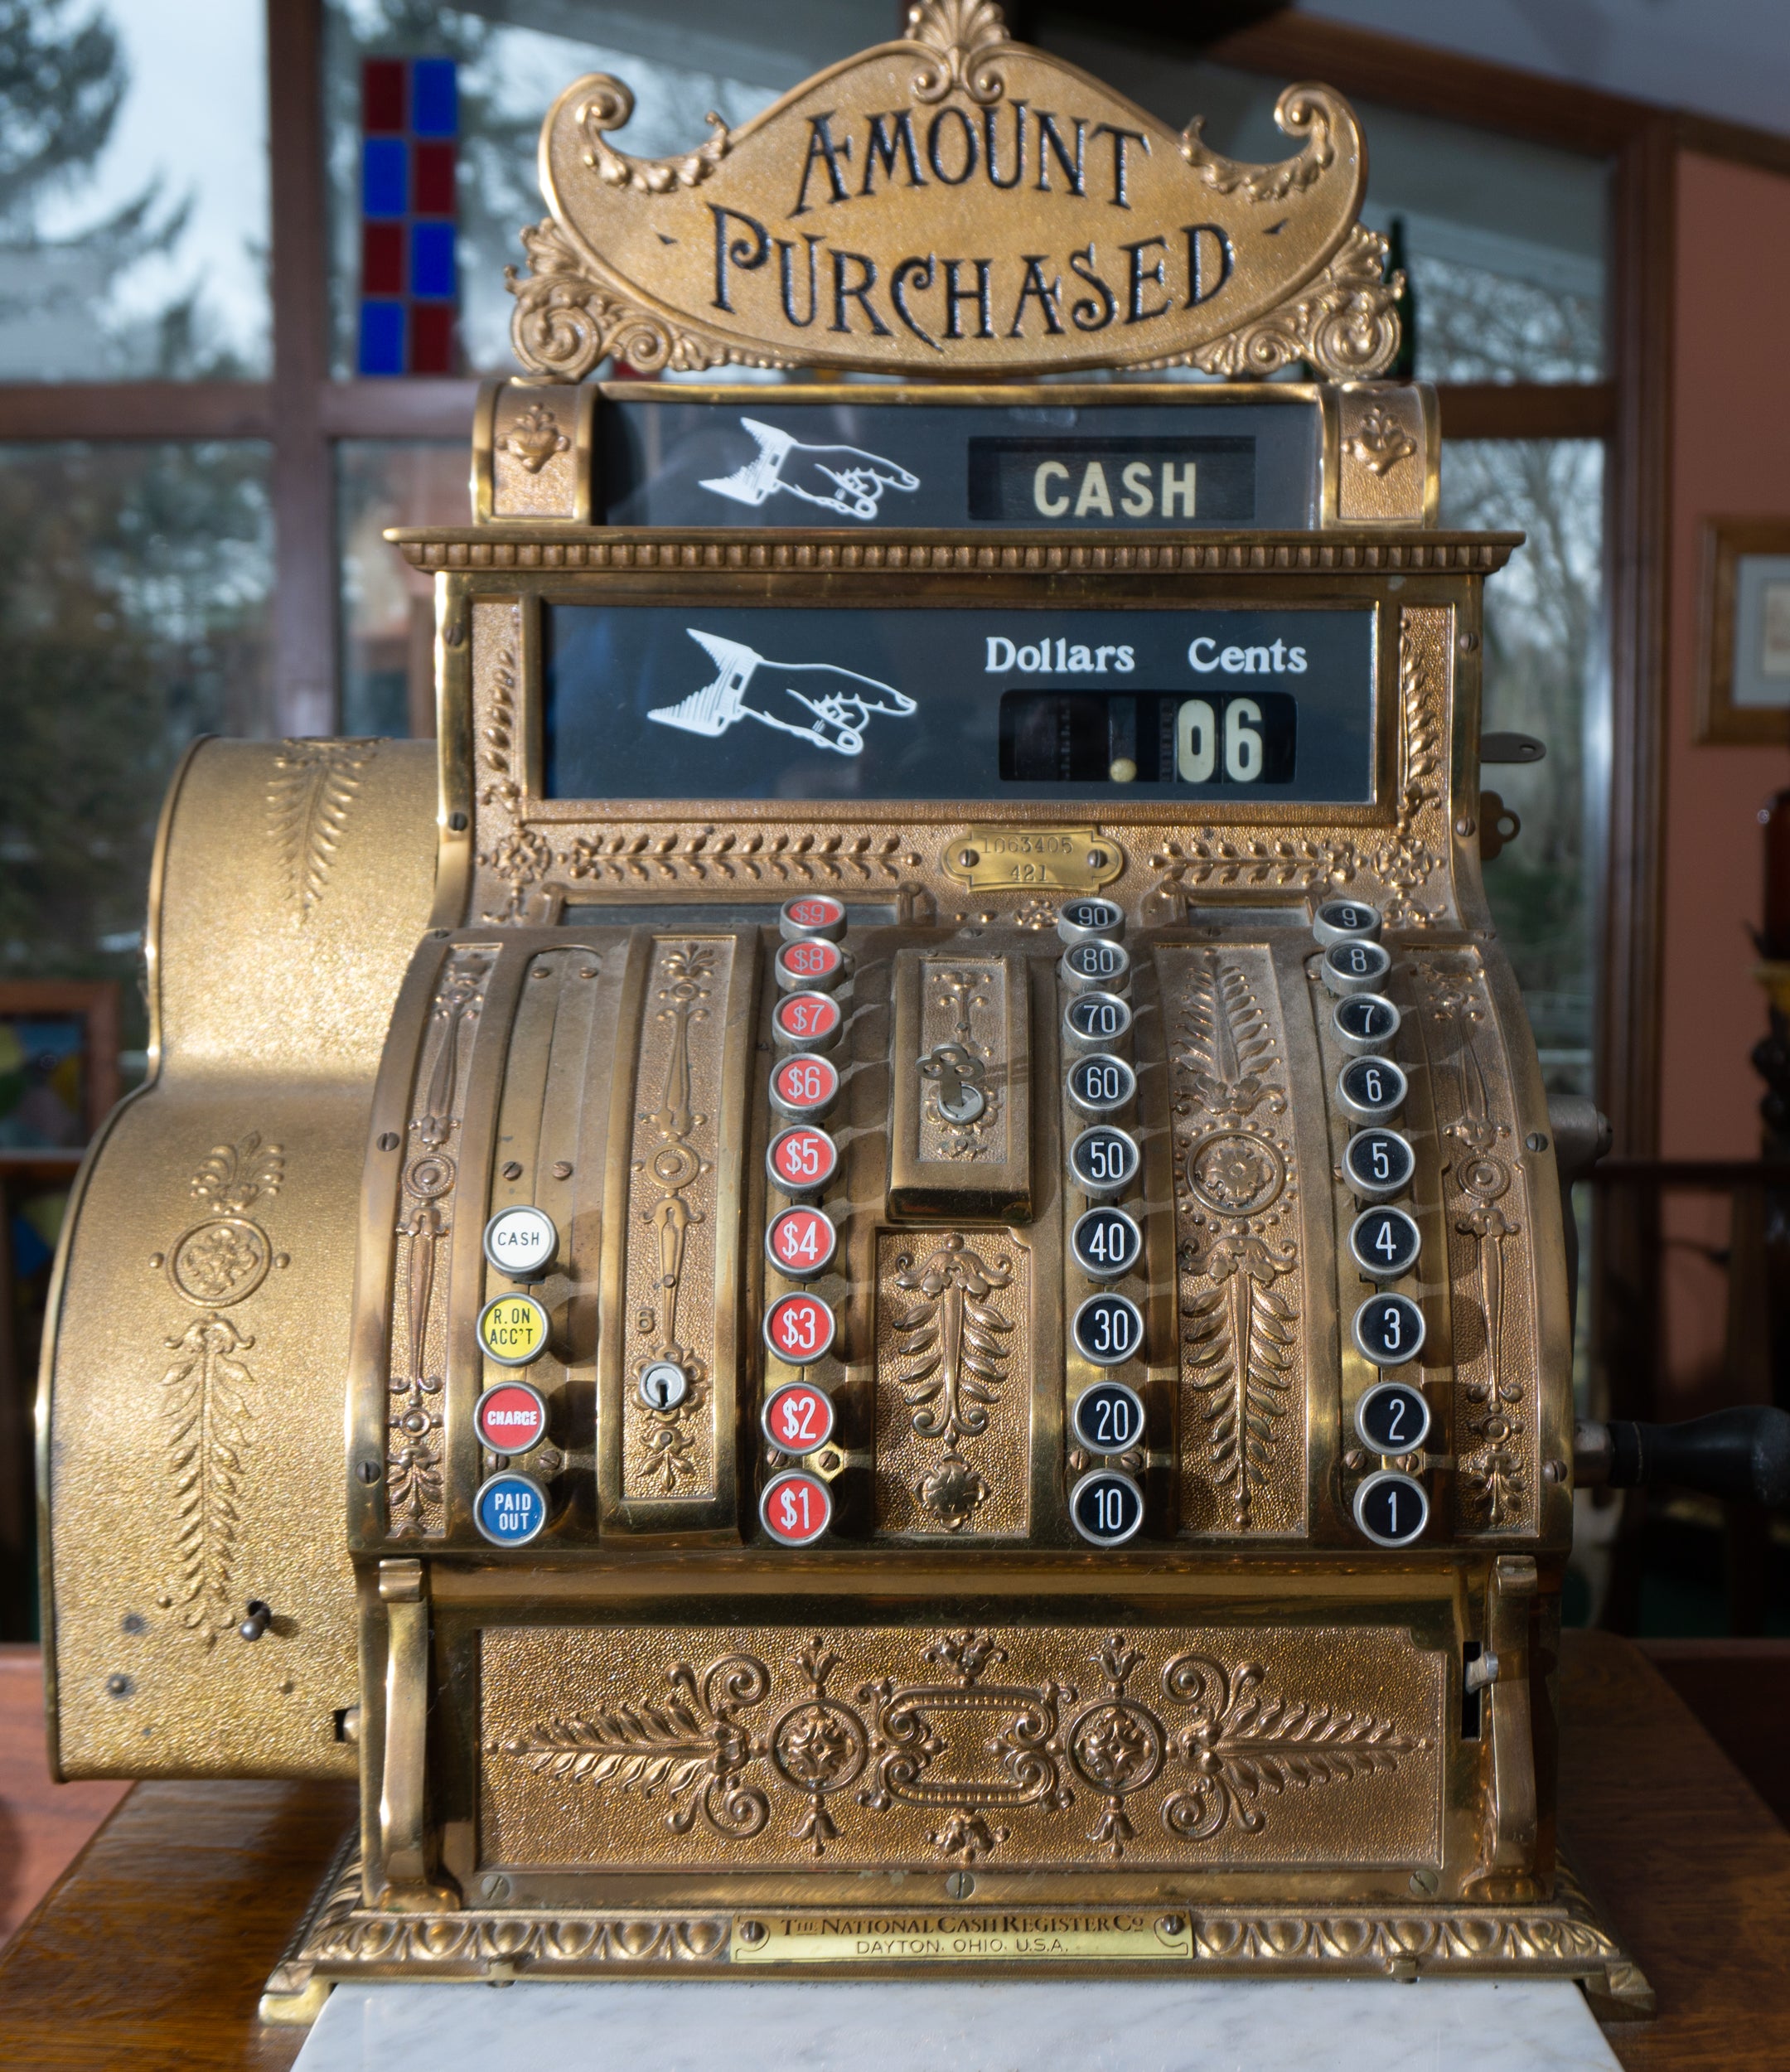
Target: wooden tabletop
column 152, row 1950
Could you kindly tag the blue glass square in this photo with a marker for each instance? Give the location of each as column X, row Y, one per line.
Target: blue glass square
column 384, row 176
column 434, row 98
column 432, row 260
column 382, row 338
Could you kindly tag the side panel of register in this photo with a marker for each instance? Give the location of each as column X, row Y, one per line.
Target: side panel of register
column 192, row 1402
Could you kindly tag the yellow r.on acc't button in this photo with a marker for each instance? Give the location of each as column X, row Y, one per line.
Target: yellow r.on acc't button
column 513, row 1330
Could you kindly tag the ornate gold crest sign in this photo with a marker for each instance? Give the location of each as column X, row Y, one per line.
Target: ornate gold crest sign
column 959, row 203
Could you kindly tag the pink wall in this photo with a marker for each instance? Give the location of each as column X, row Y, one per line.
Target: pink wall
column 1731, row 457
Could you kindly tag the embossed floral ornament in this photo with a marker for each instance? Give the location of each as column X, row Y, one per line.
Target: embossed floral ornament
column 535, row 438
column 220, row 1262
column 1235, row 1174
column 1243, row 1748
column 952, row 1490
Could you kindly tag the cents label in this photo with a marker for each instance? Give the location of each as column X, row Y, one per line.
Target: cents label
column 513, row 1330
column 800, row 1242
column 803, row 1159
column 509, row 1418
column 798, row 1418
column 799, row 1328
column 796, row 1508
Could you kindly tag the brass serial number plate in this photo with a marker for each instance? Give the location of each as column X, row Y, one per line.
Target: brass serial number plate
column 958, row 1939
column 1055, row 858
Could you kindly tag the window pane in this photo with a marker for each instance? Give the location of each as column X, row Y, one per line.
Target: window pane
column 134, row 606
column 388, row 611
column 679, row 62
column 1544, row 675
column 133, row 190
column 1503, row 240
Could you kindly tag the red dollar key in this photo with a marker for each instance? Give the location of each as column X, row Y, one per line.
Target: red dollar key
column 802, row 1160
column 800, row 1242
column 796, row 1508
column 807, row 1021
column 814, row 914
column 797, row 1418
column 813, row 965
column 804, row 1086
column 799, row 1328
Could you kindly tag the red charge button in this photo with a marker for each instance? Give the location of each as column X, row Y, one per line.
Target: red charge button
column 796, row 1508
column 802, row 1160
column 814, row 914
column 509, row 1417
column 799, row 1328
column 807, row 1021
column 811, row 963
column 804, row 1086
column 800, row 1242
column 797, row 1418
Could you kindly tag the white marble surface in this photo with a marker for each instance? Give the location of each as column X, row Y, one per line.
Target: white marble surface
column 1150, row 2026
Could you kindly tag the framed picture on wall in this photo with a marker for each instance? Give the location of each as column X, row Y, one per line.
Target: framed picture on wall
column 59, row 1066
column 1743, row 631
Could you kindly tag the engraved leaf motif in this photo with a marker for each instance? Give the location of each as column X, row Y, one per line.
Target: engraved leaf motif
column 1244, row 1748
column 312, row 787
column 1227, row 1048
column 706, row 855
column 955, row 1337
column 231, row 1176
column 1240, row 1338
column 206, row 1416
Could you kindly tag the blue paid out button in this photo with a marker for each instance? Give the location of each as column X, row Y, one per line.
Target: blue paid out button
column 510, row 1510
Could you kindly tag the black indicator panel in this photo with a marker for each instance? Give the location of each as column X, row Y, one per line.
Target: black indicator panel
column 856, row 465
column 695, row 700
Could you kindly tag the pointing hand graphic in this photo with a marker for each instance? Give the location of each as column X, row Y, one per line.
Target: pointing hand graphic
column 842, row 478
column 822, row 703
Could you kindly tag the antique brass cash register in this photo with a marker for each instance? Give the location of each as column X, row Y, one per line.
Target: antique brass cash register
column 880, row 1281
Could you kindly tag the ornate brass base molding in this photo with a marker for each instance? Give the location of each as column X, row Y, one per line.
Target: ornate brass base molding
column 342, row 1938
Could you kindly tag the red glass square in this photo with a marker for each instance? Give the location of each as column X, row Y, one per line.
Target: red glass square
column 431, row 179
column 382, row 258
column 382, row 96
column 431, row 337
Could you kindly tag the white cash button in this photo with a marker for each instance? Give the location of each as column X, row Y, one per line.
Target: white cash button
column 520, row 1242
